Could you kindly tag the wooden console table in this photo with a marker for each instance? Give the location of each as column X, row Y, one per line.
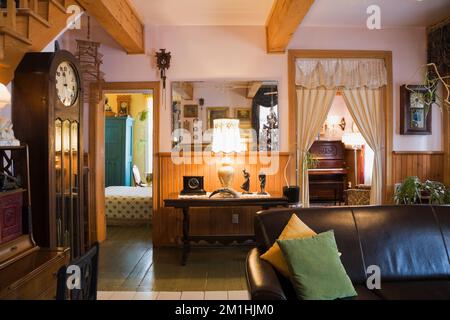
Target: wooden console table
column 185, row 203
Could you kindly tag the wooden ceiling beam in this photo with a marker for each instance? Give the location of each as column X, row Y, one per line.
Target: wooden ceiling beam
column 120, row 20
column 253, row 89
column 284, row 20
column 185, row 90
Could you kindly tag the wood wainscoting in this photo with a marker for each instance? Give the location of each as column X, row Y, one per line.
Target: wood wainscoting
column 425, row 165
column 167, row 222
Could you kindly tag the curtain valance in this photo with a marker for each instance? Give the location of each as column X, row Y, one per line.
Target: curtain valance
column 341, row 73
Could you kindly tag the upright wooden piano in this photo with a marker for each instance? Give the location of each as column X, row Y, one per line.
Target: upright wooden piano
column 328, row 180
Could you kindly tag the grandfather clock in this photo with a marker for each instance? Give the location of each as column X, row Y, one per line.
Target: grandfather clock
column 47, row 115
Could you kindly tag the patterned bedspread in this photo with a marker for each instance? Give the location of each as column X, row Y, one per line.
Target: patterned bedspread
column 128, row 204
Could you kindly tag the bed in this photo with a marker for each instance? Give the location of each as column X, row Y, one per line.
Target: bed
column 128, row 205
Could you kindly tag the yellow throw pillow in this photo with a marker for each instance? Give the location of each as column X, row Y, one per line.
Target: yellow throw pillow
column 295, row 229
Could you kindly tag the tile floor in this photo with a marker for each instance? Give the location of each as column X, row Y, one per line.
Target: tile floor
column 165, row 295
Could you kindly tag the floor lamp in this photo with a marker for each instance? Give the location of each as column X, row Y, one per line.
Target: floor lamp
column 356, row 141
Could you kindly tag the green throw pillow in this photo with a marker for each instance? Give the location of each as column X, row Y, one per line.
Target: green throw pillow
column 316, row 269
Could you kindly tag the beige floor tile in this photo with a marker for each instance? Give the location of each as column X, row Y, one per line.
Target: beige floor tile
column 216, row 295
column 146, row 296
column 104, row 295
column 193, row 295
column 169, row 296
column 238, row 295
column 123, row 295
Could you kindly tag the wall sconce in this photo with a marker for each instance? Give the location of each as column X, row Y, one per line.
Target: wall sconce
column 343, row 124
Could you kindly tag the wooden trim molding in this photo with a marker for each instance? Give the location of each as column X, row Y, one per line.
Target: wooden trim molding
column 406, row 153
column 285, row 17
column 97, row 146
column 388, row 182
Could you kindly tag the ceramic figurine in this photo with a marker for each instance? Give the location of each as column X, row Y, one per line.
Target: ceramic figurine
column 246, row 185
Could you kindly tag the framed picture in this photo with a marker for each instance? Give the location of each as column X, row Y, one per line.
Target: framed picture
column 124, row 104
column 190, row 111
column 244, row 115
column 215, row 113
column 415, row 111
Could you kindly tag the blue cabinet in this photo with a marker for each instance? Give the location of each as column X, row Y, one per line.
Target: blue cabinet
column 118, row 151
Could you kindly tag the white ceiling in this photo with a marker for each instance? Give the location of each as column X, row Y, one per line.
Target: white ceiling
column 204, row 12
column 336, row 13
column 394, row 13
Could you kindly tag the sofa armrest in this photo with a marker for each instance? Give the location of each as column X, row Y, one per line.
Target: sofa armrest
column 262, row 280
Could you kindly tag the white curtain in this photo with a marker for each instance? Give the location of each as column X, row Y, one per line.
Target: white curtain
column 341, row 73
column 366, row 107
column 313, row 108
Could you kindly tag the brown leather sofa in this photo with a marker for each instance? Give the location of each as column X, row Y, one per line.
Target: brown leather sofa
column 410, row 244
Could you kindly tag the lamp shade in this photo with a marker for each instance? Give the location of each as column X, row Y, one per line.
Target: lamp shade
column 5, row 96
column 227, row 136
column 354, row 139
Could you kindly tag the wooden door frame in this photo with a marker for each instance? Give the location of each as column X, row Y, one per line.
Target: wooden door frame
column 388, row 184
column 97, row 149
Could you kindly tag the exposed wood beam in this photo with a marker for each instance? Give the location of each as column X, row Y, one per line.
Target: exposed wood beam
column 253, row 89
column 285, row 18
column 185, row 90
column 120, row 20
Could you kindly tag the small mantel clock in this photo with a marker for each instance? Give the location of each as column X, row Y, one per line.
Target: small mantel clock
column 48, row 115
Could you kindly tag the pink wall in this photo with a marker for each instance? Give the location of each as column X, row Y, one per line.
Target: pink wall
column 239, row 53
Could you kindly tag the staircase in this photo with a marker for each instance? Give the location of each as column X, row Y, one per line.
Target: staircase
column 28, row 26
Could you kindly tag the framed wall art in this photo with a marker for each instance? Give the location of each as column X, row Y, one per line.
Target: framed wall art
column 244, row 115
column 416, row 104
column 124, row 105
column 190, row 111
column 215, row 113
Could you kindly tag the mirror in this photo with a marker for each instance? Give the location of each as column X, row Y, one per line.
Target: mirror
column 196, row 104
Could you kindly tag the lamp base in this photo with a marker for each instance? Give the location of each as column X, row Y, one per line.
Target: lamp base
column 225, row 193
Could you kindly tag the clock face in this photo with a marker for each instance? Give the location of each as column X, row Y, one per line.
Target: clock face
column 66, row 84
column 194, row 183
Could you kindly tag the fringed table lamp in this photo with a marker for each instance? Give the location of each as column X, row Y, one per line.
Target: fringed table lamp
column 226, row 140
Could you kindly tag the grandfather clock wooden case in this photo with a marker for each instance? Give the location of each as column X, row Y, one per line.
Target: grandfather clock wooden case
column 48, row 116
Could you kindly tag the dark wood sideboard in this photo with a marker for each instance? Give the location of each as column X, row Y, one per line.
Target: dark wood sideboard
column 186, row 203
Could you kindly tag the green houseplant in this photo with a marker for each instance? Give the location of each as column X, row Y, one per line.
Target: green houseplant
column 413, row 191
column 409, row 192
column 437, row 192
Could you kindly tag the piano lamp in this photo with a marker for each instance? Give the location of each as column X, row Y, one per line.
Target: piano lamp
column 226, row 140
column 356, row 141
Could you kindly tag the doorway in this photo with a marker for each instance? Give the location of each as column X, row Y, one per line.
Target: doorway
column 129, row 110
column 148, row 122
column 385, row 185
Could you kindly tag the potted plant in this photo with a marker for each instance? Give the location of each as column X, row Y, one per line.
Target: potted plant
column 413, row 191
column 409, row 192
